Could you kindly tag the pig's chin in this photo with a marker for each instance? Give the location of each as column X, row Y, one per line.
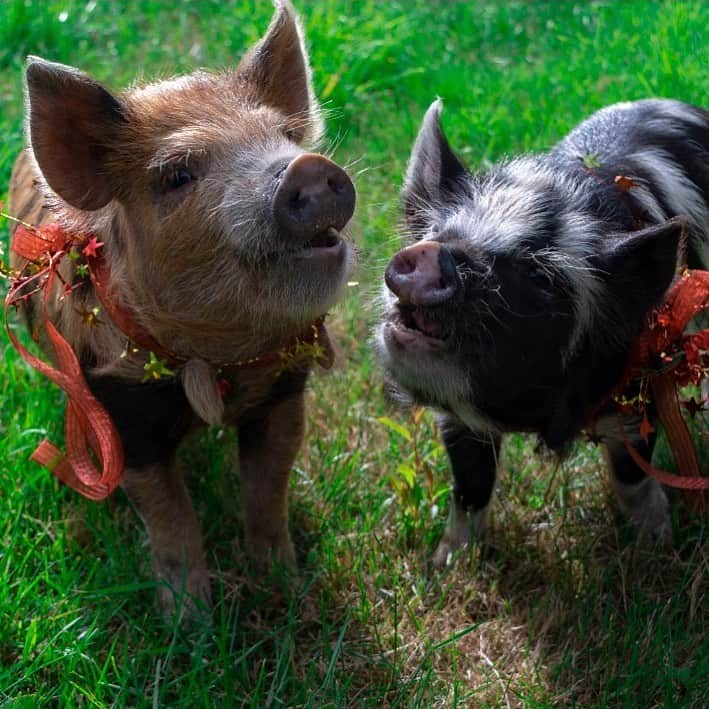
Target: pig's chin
column 306, row 284
column 420, row 363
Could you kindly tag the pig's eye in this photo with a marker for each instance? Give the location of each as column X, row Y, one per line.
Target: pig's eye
column 539, row 278
column 178, row 178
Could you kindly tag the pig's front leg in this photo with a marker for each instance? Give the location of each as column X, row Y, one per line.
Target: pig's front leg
column 159, row 494
column 267, row 448
column 473, row 459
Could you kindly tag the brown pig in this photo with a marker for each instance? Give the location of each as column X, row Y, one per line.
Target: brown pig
column 223, row 240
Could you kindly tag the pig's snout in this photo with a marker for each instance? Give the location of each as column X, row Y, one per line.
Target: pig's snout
column 313, row 195
column 423, row 274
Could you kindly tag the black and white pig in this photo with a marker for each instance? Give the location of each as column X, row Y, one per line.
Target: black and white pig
column 524, row 287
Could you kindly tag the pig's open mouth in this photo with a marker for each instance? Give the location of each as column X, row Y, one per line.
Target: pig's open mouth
column 410, row 324
column 327, row 245
column 328, row 241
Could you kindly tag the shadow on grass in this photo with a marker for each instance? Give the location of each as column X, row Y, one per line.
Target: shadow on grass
column 598, row 616
column 562, row 604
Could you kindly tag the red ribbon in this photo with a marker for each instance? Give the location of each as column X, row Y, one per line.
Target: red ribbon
column 660, row 340
column 91, row 437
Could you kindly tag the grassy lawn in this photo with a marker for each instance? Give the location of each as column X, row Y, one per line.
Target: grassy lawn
column 560, row 608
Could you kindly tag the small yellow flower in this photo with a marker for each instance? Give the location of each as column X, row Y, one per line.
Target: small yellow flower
column 156, row 369
column 90, row 317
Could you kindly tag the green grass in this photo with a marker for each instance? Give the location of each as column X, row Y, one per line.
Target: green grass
column 561, row 608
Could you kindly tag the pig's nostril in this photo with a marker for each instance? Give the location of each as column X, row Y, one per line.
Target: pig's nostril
column 404, row 266
column 297, row 200
column 336, row 185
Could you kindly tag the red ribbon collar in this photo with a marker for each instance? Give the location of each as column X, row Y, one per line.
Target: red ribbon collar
column 93, row 462
column 121, row 317
column 315, row 336
column 664, row 359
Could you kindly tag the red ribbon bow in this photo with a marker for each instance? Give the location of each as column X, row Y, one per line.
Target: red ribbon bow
column 93, row 462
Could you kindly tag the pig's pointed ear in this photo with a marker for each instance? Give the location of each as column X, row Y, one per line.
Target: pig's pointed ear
column 435, row 173
column 642, row 264
column 71, row 121
column 279, row 71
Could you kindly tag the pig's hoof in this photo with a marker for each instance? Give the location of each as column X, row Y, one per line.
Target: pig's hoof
column 267, row 551
column 645, row 505
column 462, row 526
column 443, row 556
column 456, row 536
column 186, row 593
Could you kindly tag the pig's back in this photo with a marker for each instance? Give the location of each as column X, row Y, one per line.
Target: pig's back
column 661, row 143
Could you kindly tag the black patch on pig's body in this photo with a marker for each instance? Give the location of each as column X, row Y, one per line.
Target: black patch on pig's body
column 152, row 418
column 643, row 125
